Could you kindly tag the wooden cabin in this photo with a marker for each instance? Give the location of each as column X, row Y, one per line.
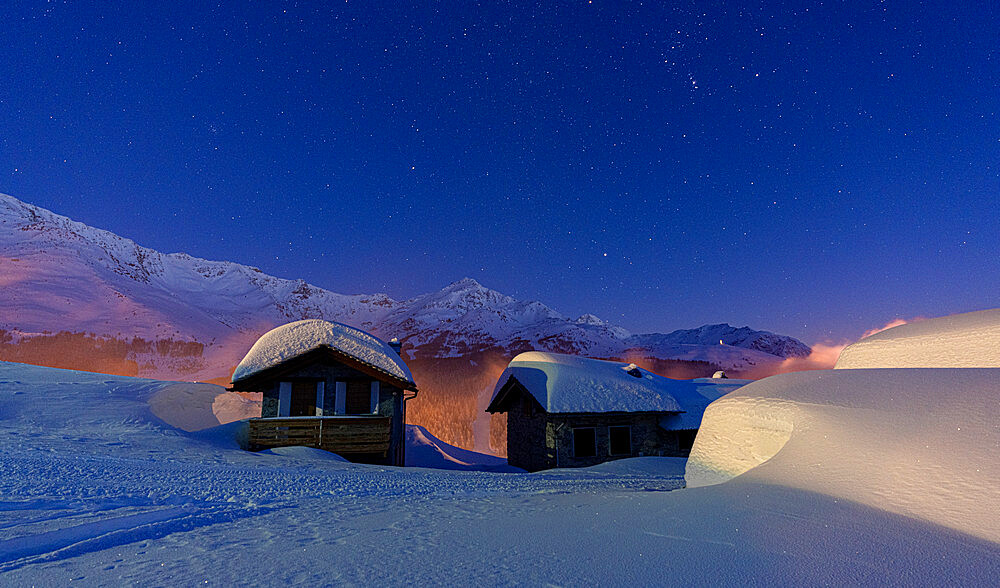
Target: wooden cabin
column 330, row 386
column 567, row 411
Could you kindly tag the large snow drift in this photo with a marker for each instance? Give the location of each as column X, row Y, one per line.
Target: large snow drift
column 957, row 341
column 918, row 442
column 567, row 383
column 287, row 341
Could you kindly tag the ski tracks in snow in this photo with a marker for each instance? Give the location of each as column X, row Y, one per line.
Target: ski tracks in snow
column 116, row 526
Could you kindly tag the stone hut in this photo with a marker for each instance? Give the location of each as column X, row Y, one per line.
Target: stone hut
column 567, row 411
column 330, row 386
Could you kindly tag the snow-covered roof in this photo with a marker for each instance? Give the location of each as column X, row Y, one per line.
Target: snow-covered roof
column 570, row 384
column 293, row 339
column 966, row 340
column 694, row 396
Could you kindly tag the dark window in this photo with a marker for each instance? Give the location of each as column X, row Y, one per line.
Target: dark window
column 526, row 405
column 303, row 400
column 620, row 440
column 359, row 397
column 685, row 440
column 584, row 442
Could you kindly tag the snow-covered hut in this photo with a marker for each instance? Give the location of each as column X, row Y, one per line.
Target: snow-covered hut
column 331, row 386
column 567, row 411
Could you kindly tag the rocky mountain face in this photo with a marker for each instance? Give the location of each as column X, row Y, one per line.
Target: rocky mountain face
column 58, row 275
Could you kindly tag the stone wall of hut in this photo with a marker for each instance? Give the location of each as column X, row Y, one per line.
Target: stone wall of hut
column 542, row 441
column 526, row 446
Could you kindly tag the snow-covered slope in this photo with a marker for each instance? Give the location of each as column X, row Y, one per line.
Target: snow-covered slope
column 745, row 337
column 964, row 340
column 60, row 275
column 424, row 450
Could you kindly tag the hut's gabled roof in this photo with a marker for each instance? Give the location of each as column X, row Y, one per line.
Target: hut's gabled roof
column 293, row 340
column 570, row 384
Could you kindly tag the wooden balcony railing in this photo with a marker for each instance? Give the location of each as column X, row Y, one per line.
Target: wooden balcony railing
column 339, row 434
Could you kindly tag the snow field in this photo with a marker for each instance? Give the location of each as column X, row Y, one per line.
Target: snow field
column 95, row 488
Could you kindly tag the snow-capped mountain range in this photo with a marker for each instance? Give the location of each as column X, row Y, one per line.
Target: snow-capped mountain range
column 59, row 275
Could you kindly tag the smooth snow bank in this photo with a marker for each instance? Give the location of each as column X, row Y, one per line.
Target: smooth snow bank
column 424, row 450
column 958, row 341
column 287, row 341
column 307, row 453
column 918, row 442
column 567, row 383
column 197, row 406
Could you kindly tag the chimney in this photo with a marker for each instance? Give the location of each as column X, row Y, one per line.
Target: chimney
column 396, row 346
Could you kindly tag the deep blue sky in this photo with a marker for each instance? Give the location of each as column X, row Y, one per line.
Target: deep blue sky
column 810, row 168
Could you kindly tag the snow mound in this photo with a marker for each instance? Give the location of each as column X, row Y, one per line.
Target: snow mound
column 305, row 453
column 567, row 383
column 424, row 450
column 667, row 467
column 195, row 406
column 293, row 339
column 230, row 406
column 921, row 443
column 958, row 341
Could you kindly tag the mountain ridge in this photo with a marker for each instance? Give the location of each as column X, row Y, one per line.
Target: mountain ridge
column 62, row 275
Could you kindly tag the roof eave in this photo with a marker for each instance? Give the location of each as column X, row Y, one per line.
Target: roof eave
column 245, row 384
column 501, row 397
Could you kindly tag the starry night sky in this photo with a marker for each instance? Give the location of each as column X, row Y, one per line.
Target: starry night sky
column 810, row 168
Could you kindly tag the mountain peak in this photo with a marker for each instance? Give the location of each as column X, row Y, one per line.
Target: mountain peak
column 464, row 284
column 589, row 319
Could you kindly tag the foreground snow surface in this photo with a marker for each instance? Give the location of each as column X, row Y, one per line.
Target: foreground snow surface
column 96, row 488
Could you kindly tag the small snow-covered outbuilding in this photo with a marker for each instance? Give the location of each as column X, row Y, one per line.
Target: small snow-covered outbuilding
column 331, row 386
column 568, row 411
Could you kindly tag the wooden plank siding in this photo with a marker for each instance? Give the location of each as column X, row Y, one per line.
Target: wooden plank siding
column 342, row 435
